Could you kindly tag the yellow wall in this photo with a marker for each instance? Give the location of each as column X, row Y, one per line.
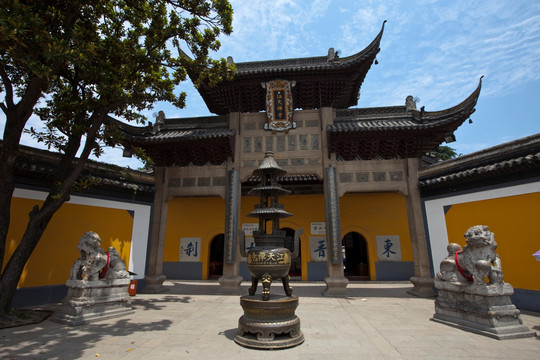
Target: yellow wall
column 376, row 214
column 51, row 260
column 201, row 217
column 367, row 214
column 204, row 217
column 514, row 221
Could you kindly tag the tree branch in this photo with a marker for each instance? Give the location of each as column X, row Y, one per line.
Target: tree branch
column 58, row 197
column 8, row 88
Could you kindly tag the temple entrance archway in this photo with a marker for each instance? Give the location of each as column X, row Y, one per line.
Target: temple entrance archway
column 296, row 264
column 215, row 262
column 355, row 256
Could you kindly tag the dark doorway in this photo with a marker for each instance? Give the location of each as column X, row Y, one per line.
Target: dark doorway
column 215, row 270
column 355, row 256
column 296, row 264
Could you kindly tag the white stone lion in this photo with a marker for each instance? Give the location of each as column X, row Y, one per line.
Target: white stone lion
column 95, row 264
column 475, row 262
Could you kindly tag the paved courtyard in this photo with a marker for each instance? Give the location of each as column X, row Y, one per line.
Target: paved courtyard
column 193, row 321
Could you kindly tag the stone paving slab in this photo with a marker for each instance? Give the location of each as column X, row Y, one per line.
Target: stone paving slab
column 193, row 321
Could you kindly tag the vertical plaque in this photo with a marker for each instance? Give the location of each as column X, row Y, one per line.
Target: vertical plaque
column 333, row 222
column 231, row 220
column 279, row 105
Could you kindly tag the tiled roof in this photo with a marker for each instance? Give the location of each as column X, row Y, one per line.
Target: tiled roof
column 398, row 118
column 284, row 65
column 180, row 135
column 482, row 172
column 396, row 124
column 377, row 125
column 41, row 165
column 176, row 129
column 183, row 142
column 515, row 157
column 309, row 64
column 396, row 131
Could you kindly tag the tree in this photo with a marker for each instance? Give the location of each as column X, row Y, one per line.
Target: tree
column 87, row 60
column 443, row 152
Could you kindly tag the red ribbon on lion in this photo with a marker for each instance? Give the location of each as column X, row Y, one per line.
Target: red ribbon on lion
column 103, row 271
column 469, row 277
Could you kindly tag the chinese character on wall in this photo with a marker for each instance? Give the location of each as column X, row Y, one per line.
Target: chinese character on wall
column 317, row 247
column 190, row 249
column 388, row 248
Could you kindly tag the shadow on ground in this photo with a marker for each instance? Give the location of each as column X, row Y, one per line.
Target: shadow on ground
column 229, row 334
column 67, row 342
column 140, row 303
column 301, row 289
column 21, row 317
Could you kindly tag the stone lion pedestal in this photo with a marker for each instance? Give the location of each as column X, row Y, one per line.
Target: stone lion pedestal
column 89, row 301
column 466, row 301
column 97, row 287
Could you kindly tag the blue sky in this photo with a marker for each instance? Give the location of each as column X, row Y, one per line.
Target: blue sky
column 433, row 50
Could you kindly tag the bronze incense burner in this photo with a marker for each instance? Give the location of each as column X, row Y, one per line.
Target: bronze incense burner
column 269, row 322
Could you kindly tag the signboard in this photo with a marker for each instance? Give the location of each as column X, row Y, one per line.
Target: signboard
column 279, row 105
column 388, row 247
column 190, row 249
column 318, row 228
column 317, row 248
column 249, row 228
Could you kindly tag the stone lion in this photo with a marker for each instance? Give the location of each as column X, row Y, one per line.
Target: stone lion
column 116, row 268
column 475, row 262
column 94, row 263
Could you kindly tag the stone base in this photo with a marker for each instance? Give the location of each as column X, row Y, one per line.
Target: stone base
column 269, row 324
column 489, row 315
column 89, row 301
column 154, row 284
column 335, row 286
column 230, row 285
column 423, row 287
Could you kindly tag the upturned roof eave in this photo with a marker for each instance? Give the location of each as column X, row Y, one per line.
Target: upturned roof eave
column 374, row 46
column 305, row 69
column 468, row 103
column 143, row 135
column 127, row 129
column 414, row 120
column 309, row 65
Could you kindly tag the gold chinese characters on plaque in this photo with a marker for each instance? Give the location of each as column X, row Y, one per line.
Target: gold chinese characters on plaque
column 268, row 258
column 279, row 105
